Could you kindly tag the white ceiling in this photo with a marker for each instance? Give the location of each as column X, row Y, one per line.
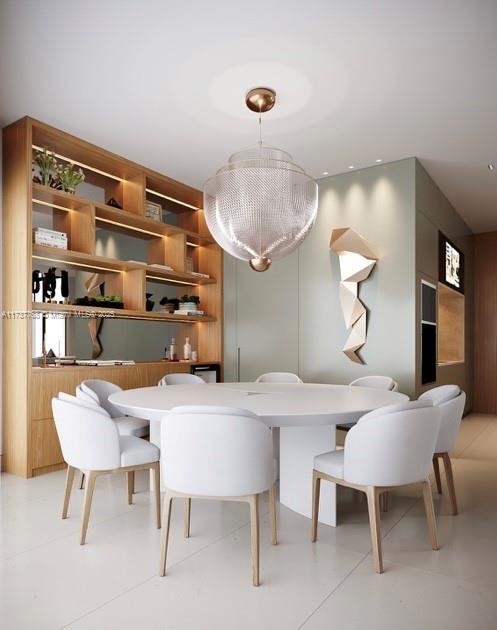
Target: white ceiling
column 163, row 83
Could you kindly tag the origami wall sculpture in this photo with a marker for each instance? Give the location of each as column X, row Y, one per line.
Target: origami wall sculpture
column 357, row 258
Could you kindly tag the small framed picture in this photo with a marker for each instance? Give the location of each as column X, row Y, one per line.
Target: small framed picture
column 153, row 211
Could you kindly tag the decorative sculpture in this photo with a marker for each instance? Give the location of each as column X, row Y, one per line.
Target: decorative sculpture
column 94, row 287
column 357, row 258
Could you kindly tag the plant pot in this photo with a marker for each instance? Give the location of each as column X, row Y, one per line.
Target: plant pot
column 188, row 306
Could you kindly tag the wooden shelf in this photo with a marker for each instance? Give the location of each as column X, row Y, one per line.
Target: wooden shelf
column 31, row 445
column 87, row 262
column 117, row 313
column 114, row 219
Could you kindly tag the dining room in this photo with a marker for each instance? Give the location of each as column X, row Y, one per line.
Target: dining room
column 249, row 372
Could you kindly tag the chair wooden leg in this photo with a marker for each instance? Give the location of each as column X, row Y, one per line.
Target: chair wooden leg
column 316, row 489
column 384, row 501
column 67, row 494
column 436, row 469
column 130, row 482
column 166, row 519
column 187, row 508
column 82, row 481
column 450, row 481
column 254, row 537
column 374, row 523
column 90, row 486
column 272, row 515
column 430, row 514
column 156, row 469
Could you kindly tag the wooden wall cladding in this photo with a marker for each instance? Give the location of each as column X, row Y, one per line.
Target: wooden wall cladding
column 46, row 383
column 485, row 322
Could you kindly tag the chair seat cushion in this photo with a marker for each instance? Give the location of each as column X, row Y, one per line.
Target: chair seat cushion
column 135, row 451
column 127, row 425
column 330, row 463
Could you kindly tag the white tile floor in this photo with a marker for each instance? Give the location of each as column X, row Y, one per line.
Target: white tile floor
column 48, row 581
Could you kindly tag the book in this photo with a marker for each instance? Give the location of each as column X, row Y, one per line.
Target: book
column 188, row 312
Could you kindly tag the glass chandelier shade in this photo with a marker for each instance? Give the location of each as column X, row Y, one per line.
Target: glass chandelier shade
column 260, row 206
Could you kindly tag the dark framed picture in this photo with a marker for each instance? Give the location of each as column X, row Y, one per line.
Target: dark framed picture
column 451, row 264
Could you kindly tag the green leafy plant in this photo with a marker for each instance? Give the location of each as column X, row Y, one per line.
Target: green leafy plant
column 69, row 177
column 45, row 168
column 190, row 298
column 109, row 301
column 166, row 300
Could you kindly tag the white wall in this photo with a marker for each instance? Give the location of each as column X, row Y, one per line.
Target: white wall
column 295, row 313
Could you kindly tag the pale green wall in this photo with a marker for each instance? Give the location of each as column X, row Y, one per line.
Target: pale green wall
column 289, row 318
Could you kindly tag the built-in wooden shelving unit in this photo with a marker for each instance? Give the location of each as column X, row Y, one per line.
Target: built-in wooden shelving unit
column 30, row 441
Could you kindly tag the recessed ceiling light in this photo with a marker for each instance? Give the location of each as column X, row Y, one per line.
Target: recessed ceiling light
column 325, row 173
column 491, row 167
column 351, row 166
column 378, row 161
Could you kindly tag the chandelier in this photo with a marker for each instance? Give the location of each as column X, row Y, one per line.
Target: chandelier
column 261, row 205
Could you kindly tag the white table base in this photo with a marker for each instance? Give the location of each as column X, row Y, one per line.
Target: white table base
column 298, row 447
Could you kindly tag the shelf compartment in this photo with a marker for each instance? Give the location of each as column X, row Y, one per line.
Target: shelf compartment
column 72, row 309
column 86, row 262
column 112, row 218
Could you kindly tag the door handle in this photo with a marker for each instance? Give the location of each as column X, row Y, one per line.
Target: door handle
column 238, row 365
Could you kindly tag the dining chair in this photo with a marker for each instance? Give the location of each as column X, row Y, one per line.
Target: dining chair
column 376, row 382
column 99, row 391
column 181, row 378
column 220, row 453
column 450, row 400
column 92, row 401
column 388, row 448
column 91, row 443
column 278, row 377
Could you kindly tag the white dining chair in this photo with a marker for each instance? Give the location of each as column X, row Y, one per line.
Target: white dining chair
column 376, row 382
column 90, row 442
column 278, row 377
column 450, row 400
column 217, row 453
column 388, row 448
column 99, row 391
column 181, row 378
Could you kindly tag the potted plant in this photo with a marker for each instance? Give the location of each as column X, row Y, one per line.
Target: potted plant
column 169, row 304
column 45, row 169
column 107, row 301
column 69, row 177
column 189, row 302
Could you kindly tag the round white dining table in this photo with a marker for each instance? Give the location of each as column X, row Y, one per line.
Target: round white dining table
column 305, row 413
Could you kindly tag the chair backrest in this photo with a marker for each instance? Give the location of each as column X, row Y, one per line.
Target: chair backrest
column 87, row 403
column 393, row 449
column 378, row 382
column 216, row 451
column 451, row 400
column 403, row 406
column 89, row 440
column 279, row 377
column 181, row 378
column 102, row 390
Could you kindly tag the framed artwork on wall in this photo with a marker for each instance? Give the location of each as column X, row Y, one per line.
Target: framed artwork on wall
column 450, row 264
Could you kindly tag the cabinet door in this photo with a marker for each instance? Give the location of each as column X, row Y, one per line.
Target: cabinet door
column 265, row 334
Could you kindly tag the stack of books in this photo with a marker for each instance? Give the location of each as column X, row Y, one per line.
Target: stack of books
column 52, row 238
column 200, row 275
column 182, row 311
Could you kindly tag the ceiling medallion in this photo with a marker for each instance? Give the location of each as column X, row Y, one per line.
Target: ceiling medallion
column 261, row 205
